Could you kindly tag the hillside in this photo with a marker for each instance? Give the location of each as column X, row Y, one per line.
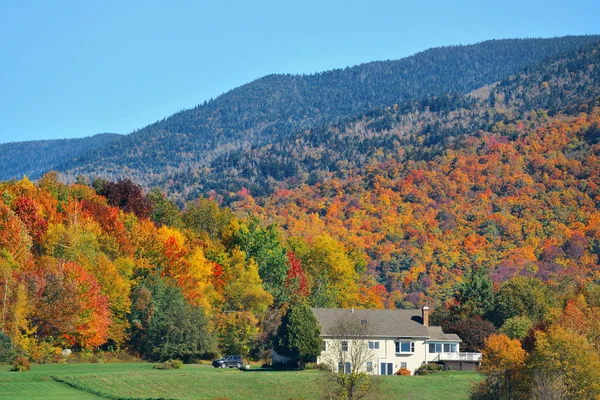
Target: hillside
column 410, row 131
column 508, row 183
column 34, row 158
column 273, row 107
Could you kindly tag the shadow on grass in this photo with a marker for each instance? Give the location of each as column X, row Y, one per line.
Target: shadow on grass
column 273, row 370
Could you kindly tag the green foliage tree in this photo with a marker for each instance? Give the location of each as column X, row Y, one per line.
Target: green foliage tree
column 522, row 296
column 165, row 326
column 299, row 335
column 516, row 327
column 476, row 295
column 164, row 211
column 265, row 247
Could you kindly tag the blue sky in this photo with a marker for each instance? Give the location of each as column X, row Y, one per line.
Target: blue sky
column 77, row 68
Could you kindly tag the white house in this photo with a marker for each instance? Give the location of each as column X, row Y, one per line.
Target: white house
column 394, row 339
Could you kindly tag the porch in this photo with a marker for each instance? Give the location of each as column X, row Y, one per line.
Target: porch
column 458, row 361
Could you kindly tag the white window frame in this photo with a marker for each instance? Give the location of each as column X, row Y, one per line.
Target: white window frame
column 398, row 346
column 369, row 367
column 324, row 345
column 440, row 347
column 404, row 364
column 344, row 345
column 435, row 348
column 373, row 345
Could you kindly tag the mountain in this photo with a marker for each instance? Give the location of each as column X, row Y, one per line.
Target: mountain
column 34, row 158
column 410, row 131
column 277, row 106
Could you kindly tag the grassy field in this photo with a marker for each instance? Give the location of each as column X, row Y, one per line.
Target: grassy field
column 140, row 381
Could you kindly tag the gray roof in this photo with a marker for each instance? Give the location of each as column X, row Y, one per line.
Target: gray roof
column 384, row 323
column 436, row 333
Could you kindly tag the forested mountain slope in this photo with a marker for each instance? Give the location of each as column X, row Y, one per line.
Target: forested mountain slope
column 509, row 184
column 34, row 158
column 410, row 131
column 276, row 106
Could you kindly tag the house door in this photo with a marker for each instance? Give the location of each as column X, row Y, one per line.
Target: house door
column 387, row 368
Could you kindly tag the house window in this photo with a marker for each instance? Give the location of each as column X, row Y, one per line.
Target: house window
column 344, row 345
column 344, row 367
column 369, row 366
column 405, row 347
column 373, row 345
column 443, row 347
column 435, row 347
column 324, row 345
column 403, row 365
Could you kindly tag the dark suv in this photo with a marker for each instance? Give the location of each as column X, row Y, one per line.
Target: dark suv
column 228, row 361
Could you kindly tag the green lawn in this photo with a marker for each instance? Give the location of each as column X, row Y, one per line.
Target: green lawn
column 140, row 381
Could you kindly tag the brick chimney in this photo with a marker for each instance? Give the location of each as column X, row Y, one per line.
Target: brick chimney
column 425, row 316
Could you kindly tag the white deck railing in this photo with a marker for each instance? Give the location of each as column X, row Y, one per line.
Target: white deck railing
column 458, row 357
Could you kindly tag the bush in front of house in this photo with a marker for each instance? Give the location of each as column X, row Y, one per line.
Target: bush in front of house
column 170, row 364
column 317, row 366
column 22, row 364
column 403, row 371
column 428, row 369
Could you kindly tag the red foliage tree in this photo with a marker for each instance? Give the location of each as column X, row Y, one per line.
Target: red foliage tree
column 295, row 281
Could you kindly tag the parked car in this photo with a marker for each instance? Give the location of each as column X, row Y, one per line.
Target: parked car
column 228, row 362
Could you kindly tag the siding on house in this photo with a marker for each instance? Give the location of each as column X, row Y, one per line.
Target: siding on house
column 386, row 354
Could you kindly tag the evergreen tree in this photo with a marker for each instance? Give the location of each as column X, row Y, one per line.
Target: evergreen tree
column 299, row 335
column 476, row 295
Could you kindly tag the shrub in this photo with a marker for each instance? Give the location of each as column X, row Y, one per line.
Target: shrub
column 170, row 364
column 427, row 369
column 44, row 353
column 121, row 356
column 318, row 366
column 291, row 364
column 21, row 364
column 87, row 356
column 403, row 371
